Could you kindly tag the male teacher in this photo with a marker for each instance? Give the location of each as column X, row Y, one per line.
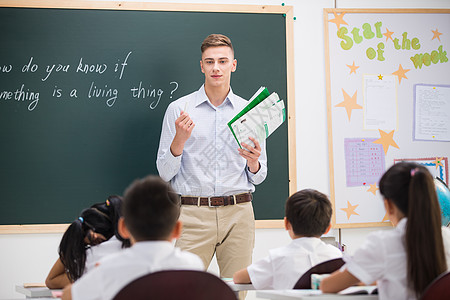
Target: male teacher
column 200, row 158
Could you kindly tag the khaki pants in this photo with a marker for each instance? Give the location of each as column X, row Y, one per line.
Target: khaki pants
column 228, row 231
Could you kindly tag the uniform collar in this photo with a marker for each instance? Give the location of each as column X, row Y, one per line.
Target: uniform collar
column 307, row 242
column 401, row 225
column 152, row 244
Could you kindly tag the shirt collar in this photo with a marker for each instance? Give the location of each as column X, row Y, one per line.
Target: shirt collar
column 307, row 242
column 145, row 245
column 202, row 97
column 401, row 225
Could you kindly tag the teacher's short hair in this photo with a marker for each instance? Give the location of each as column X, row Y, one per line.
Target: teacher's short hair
column 216, row 40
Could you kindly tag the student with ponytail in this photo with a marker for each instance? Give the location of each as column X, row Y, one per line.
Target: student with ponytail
column 91, row 236
column 405, row 260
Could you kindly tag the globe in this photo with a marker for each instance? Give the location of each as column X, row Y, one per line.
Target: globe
column 443, row 194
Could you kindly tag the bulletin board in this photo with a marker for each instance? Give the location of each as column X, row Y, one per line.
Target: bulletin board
column 388, row 100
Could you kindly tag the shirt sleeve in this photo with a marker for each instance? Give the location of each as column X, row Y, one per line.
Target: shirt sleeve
column 167, row 164
column 87, row 287
column 259, row 176
column 368, row 262
column 446, row 240
column 261, row 274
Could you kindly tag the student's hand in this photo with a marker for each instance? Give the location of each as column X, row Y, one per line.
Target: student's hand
column 242, row 276
column 183, row 126
column 251, row 155
column 338, row 281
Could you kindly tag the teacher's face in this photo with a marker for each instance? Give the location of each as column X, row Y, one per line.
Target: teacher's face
column 217, row 64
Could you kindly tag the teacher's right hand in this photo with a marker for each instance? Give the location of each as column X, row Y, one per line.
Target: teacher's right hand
column 183, row 126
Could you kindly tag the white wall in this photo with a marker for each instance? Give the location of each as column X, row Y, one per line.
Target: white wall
column 28, row 257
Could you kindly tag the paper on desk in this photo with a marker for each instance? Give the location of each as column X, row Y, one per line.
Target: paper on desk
column 259, row 119
column 358, row 290
column 34, row 284
column 57, row 294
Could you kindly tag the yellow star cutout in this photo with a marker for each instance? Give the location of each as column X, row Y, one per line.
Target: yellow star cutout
column 380, row 77
column 386, row 139
column 349, row 103
column 401, row 73
column 438, row 162
column 338, row 20
column 373, row 188
column 350, row 210
column 353, row 68
column 386, row 217
column 388, row 34
column 437, row 34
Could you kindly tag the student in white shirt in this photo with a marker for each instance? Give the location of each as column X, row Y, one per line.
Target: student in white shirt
column 150, row 219
column 91, row 236
column 405, row 260
column 308, row 215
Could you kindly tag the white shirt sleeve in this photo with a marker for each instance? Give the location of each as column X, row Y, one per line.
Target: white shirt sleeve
column 167, row 164
column 87, row 287
column 446, row 240
column 261, row 274
column 368, row 262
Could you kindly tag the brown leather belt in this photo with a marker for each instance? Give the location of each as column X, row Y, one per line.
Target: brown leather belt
column 217, row 201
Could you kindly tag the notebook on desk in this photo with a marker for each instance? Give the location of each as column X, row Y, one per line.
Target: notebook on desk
column 34, row 291
column 360, row 290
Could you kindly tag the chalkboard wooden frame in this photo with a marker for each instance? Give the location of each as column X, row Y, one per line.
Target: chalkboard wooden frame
column 174, row 7
column 405, row 149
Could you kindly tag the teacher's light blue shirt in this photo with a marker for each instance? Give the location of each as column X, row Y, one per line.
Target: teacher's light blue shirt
column 210, row 164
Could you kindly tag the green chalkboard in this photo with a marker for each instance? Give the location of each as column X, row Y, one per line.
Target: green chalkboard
column 83, row 93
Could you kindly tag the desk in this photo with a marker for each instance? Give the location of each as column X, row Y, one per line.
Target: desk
column 239, row 287
column 309, row 295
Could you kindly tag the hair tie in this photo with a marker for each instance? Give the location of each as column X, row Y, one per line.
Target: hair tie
column 81, row 219
column 413, row 171
column 107, row 202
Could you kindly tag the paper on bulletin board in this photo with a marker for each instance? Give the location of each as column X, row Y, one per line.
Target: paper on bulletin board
column 380, row 102
column 438, row 166
column 432, row 112
column 364, row 161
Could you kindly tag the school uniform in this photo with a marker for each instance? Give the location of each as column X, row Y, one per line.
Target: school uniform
column 117, row 270
column 284, row 266
column 382, row 258
column 95, row 253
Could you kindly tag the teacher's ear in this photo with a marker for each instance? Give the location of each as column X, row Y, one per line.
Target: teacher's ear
column 233, row 69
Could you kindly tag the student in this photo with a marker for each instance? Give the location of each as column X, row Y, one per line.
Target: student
column 308, row 215
column 200, row 158
column 150, row 219
column 405, row 260
column 93, row 235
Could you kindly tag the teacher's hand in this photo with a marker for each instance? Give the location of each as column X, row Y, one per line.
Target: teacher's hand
column 251, row 155
column 183, row 126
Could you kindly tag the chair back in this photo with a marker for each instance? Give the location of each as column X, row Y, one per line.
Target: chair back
column 438, row 289
column 325, row 267
column 175, row 285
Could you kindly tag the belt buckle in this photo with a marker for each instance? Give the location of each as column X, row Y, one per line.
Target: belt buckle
column 209, row 202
